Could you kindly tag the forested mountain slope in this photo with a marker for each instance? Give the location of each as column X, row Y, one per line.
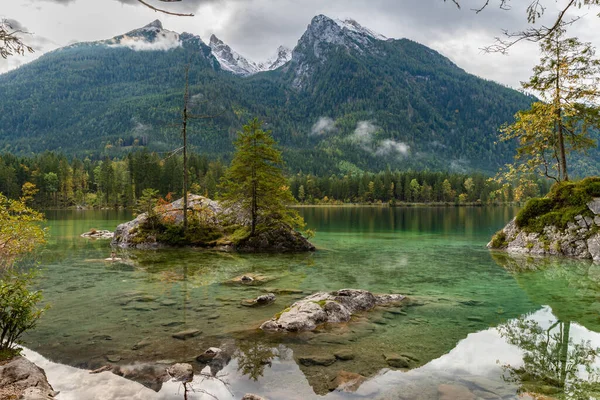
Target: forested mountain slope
column 348, row 98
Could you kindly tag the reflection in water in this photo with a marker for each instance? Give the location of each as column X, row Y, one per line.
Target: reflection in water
column 253, row 357
column 552, row 363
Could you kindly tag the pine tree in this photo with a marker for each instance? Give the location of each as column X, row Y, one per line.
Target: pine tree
column 567, row 79
column 255, row 181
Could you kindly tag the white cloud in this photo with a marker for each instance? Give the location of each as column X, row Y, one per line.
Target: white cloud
column 390, row 147
column 162, row 43
column 323, row 126
column 363, row 136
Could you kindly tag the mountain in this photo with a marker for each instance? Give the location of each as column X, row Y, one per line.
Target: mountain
column 345, row 98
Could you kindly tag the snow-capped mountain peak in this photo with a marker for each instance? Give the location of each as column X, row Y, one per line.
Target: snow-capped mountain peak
column 151, row 37
column 230, row 60
column 353, row 26
column 284, row 54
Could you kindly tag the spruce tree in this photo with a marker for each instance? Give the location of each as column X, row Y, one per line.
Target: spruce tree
column 255, row 182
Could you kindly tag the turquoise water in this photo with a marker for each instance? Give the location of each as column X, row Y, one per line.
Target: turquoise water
column 463, row 304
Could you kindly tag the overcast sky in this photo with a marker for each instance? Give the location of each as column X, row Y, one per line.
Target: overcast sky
column 255, row 28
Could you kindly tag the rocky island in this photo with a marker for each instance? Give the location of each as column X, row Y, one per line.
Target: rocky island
column 566, row 223
column 211, row 225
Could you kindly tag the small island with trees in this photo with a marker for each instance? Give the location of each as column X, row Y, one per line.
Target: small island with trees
column 251, row 215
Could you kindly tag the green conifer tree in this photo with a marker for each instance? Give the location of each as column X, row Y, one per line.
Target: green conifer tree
column 255, row 180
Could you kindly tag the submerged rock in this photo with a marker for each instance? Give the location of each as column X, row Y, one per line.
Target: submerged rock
column 187, row 334
column 98, row 234
column 323, row 360
column 397, row 361
column 23, row 378
column 262, row 300
column 322, row 307
column 208, row 355
column 181, row 372
column 347, row 382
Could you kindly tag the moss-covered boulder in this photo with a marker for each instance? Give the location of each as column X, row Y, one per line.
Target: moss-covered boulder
column 210, row 225
column 566, row 222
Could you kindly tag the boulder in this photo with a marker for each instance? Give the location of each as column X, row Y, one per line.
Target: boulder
column 262, row 300
column 594, row 205
column 278, row 238
column 578, row 240
column 181, row 372
column 23, row 378
column 208, row 355
column 125, row 234
column 322, row 307
column 347, row 382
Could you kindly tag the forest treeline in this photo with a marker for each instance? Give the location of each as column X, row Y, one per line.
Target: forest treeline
column 63, row 182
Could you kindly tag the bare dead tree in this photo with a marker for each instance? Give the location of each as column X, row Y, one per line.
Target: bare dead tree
column 535, row 11
column 11, row 42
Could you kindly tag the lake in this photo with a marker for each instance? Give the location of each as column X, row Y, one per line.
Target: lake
column 479, row 325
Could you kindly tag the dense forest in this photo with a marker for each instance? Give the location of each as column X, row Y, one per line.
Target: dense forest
column 118, row 182
column 417, row 109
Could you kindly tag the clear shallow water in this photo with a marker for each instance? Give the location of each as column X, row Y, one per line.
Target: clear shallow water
column 128, row 311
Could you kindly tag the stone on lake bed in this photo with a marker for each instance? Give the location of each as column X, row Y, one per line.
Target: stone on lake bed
column 396, row 361
column 208, row 355
column 249, row 279
column 324, row 360
column 344, row 355
column 454, row 392
column 181, row 372
column 172, row 324
column 113, row 358
column 347, row 382
column 262, row 300
column 187, row 334
column 141, row 344
column 322, row 307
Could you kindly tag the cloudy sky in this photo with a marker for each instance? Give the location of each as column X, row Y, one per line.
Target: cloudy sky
column 255, row 28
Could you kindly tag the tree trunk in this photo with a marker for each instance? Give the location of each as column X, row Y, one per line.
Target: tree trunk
column 564, row 352
column 561, row 138
column 185, row 169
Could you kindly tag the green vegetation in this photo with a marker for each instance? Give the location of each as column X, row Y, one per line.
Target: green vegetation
column 20, row 233
column 565, row 201
column 124, row 182
column 499, row 240
column 568, row 80
column 121, row 100
column 19, row 311
column 255, row 184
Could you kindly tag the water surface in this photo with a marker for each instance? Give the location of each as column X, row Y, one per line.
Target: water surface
column 456, row 332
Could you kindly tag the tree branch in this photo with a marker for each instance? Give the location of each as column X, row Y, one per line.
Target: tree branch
column 165, row 11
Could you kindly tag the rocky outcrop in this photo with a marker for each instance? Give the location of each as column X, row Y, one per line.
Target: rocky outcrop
column 580, row 239
column 25, row 380
column 322, row 307
column 125, row 234
column 278, row 238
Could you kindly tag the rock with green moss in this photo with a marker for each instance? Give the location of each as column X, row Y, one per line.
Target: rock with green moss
column 322, row 307
column 210, row 225
column 564, row 223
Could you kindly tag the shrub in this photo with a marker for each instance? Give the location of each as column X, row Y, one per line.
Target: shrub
column 19, row 310
column 499, row 240
column 533, row 209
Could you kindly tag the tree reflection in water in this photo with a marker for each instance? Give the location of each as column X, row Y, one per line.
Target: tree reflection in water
column 253, row 357
column 552, row 363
